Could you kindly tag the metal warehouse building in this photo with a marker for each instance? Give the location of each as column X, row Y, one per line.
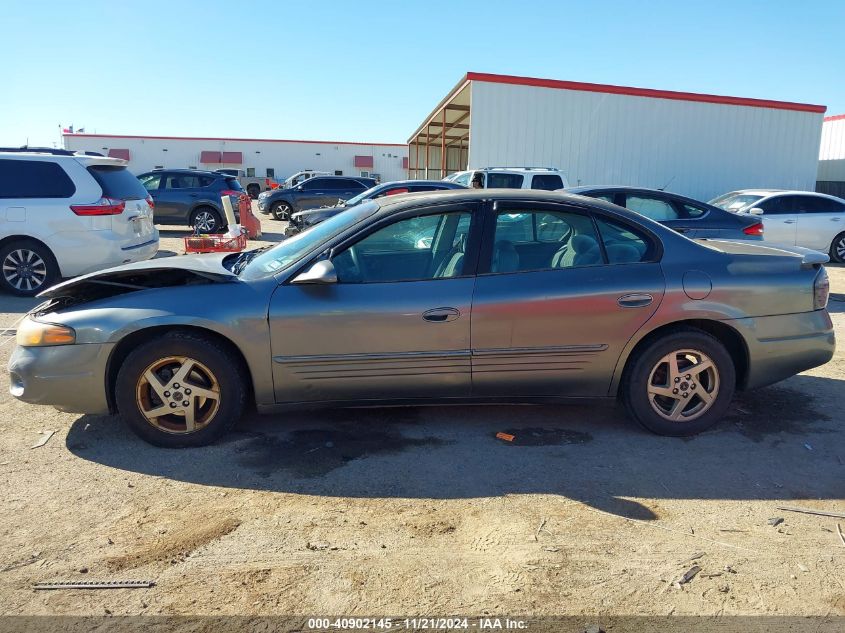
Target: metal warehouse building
column 695, row 144
column 831, row 178
column 257, row 157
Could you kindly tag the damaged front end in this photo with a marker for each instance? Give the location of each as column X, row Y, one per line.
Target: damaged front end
column 121, row 281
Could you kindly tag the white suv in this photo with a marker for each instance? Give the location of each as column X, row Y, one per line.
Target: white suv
column 547, row 178
column 64, row 214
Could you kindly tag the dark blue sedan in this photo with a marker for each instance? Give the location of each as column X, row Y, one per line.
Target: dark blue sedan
column 692, row 218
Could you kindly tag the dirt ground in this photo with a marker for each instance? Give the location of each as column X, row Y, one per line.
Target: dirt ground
column 423, row 511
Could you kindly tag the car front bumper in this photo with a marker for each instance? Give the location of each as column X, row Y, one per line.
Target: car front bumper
column 783, row 345
column 71, row 378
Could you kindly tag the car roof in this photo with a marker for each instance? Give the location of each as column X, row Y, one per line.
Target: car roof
column 617, row 188
column 203, row 172
column 395, row 204
column 791, row 192
column 59, row 155
column 428, row 183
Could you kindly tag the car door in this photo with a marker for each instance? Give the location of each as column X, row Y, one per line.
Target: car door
column 312, row 194
column 780, row 219
column 820, row 221
column 173, row 202
column 152, row 183
column 395, row 325
column 345, row 188
column 558, row 295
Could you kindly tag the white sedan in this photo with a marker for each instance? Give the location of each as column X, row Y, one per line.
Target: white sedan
column 800, row 218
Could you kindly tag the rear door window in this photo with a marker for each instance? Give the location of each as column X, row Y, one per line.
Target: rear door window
column 117, row 182
column 779, row 205
column 313, row 184
column 36, row 179
column 547, row 182
column 817, row 204
column 504, row 181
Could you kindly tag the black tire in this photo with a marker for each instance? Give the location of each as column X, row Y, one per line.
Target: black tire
column 837, row 249
column 644, row 368
column 253, row 190
column 209, row 356
column 27, row 267
column 281, row 211
column 209, row 218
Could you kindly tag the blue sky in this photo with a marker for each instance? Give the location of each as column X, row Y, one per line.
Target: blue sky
column 370, row 71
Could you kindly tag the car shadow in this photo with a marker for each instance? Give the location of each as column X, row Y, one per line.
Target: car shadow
column 775, row 443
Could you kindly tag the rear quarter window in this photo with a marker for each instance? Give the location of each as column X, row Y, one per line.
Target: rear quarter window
column 118, row 182
column 36, row 179
column 233, row 184
column 547, row 182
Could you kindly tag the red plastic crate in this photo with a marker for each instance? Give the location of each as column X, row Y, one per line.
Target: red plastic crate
column 215, row 243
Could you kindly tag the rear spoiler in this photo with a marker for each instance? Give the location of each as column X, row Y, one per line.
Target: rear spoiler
column 809, row 257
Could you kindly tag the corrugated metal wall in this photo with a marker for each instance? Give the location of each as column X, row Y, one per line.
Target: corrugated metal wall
column 697, row 149
column 285, row 158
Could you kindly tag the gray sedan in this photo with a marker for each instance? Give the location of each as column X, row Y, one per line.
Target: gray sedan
column 466, row 296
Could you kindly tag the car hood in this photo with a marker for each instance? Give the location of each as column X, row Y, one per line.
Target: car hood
column 154, row 273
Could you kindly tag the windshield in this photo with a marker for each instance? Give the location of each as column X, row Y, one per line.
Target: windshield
column 295, row 248
column 362, row 196
column 737, row 202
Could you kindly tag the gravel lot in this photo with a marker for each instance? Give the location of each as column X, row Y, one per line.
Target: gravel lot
column 423, row 510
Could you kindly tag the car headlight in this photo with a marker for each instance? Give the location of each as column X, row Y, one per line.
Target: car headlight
column 33, row 333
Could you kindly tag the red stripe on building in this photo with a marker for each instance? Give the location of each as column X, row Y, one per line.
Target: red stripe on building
column 119, row 153
column 363, row 161
column 233, row 158
column 644, row 92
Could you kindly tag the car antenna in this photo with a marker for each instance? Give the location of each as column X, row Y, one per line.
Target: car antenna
column 663, row 188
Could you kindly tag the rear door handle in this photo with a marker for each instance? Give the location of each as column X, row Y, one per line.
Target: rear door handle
column 789, row 221
column 637, row 300
column 441, row 315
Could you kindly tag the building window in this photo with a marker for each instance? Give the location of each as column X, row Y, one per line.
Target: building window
column 365, row 174
column 338, row 172
column 159, row 167
column 192, row 167
column 250, row 172
column 271, row 173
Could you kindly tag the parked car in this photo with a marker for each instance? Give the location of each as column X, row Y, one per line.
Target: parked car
column 546, row 178
column 253, row 185
column 320, row 191
column 692, row 218
column 303, row 219
column 64, row 214
column 565, row 296
column 803, row 218
column 301, row 176
column 192, row 197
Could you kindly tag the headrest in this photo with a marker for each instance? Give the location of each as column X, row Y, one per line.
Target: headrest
column 583, row 243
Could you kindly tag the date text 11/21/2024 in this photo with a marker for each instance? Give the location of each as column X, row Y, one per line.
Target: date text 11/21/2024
column 419, row 624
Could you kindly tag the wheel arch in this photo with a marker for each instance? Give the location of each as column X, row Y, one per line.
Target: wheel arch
column 20, row 238
column 727, row 335
column 129, row 342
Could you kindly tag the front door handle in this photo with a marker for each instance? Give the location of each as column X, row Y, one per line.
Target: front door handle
column 636, row 300
column 789, row 221
column 441, row 315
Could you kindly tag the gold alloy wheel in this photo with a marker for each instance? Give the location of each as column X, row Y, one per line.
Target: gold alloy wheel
column 178, row 395
column 683, row 385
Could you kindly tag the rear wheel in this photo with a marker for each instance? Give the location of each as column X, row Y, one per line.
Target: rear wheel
column 679, row 384
column 281, row 211
column 206, row 220
column 28, row 267
column 253, row 190
column 180, row 389
column 837, row 248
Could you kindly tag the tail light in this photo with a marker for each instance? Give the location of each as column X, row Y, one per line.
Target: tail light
column 754, row 229
column 103, row 206
column 151, row 202
column 230, row 192
column 821, row 290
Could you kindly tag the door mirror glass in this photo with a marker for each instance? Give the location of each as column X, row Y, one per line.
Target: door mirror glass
column 755, row 211
column 322, row 272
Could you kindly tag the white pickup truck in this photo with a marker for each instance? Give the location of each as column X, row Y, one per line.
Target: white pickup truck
column 253, row 185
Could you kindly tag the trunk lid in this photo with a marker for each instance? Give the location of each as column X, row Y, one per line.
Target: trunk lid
column 135, row 225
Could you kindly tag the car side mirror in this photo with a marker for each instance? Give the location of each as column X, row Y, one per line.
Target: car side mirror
column 299, row 188
column 321, row 273
column 755, row 211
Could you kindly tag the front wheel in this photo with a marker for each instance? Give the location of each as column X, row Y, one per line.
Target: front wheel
column 206, row 220
column 679, row 384
column 180, row 389
column 837, row 249
column 281, row 211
